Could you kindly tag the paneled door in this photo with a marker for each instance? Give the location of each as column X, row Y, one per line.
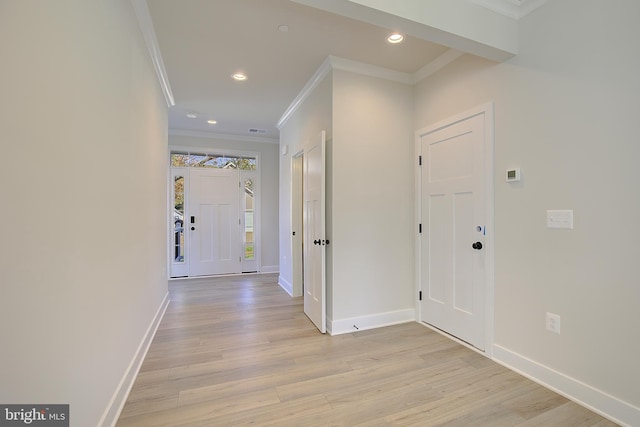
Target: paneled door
column 313, row 218
column 213, row 222
column 452, row 244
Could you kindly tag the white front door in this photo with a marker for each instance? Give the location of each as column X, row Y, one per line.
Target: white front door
column 453, row 243
column 213, row 222
column 314, row 231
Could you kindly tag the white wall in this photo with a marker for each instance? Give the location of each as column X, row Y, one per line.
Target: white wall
column 269, row 172
column 83, row 254
column 311, row 117
column 372, row 200
column 566, row 111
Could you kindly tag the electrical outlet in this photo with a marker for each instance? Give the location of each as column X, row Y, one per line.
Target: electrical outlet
column 553, row 323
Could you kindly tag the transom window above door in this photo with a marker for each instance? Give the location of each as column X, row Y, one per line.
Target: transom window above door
column 218, row 161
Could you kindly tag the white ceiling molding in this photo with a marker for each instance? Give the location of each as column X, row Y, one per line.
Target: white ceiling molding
column 222, row 136
column 515, row 9
column 313, row 82
column 370, row 70
column 440, row 62
column 337, row 63
column 149, row 34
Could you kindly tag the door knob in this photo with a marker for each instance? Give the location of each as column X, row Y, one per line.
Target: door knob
column 193, row 228
column 477, row 246
column 316, row 242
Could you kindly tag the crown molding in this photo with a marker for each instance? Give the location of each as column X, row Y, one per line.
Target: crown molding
column 313, row 82
column 337, row 63
column 343, row 64
column 515, row 9
column 437, row 64
column 149, row 34
column 222, row 136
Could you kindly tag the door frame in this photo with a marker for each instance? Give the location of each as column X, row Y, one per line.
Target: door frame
column 489, row 183
column 297, row 259
column 257, row 200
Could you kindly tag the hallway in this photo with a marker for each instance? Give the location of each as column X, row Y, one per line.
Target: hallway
column 238, row 350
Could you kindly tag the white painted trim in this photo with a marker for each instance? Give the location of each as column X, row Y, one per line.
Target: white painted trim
column 598, row 401
column 119, row 398
column 515, row 9
column 270, row 269
column 337, row 63
column 437, row 64
column 149, row 34
column 315, row 80
column 372, row 321
column 488, row 110
column 349, row 65
column 222, row 136
column 489, row 214
column 284, row 284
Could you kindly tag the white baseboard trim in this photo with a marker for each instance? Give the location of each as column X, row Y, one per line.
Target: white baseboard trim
column 270, row 269
column 288, row 287
column 616, row 410
column 119, row 398
column 372, row 321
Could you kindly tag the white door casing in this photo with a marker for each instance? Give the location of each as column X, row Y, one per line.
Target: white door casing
column 314, row 231
column 213, row 222
column 297, row 166
column 454, row 248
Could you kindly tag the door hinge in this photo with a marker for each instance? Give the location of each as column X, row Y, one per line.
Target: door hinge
column 420, row 295
column 420, row 228
column 419, row 160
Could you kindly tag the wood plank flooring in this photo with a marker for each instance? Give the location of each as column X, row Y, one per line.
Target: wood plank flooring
column 237, row 351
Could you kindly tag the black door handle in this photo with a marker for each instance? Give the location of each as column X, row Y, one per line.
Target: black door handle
column 193, row 228
column 316, row 242
column 477, row 246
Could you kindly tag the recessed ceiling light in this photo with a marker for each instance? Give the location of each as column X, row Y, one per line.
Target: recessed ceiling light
column 283, row 28
column 212, row 122
column 395, row 38
column 192, row 115
column 239, row 77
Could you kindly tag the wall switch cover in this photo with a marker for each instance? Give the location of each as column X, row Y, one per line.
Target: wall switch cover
column 560, row 219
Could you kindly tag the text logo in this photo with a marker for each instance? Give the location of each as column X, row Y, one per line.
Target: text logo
column 34, row 415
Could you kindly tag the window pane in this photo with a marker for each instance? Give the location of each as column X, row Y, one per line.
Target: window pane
column 178, row 219
column 198, row 160
column 179, row 159
column 248, row 220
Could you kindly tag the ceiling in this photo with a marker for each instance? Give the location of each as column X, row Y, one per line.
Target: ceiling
column 203, row 42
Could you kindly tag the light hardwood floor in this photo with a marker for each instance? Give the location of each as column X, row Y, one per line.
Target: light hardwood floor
column 239, row 351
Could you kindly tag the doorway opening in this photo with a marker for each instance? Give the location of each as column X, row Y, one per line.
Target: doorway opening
column 214, row 213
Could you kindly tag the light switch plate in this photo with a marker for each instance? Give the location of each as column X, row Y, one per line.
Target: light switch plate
column 560, row 219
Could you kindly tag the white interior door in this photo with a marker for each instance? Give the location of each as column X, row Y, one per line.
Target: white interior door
column 213, row 222
column 314, row 231
column 452, row 243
